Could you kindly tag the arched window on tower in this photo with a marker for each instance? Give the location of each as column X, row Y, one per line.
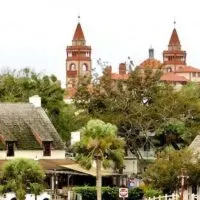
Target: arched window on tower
column 169, row 69
column 72, row 67
column 84, row 67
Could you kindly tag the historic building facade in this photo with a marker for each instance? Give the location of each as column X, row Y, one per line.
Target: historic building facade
column 174, row 65
column 78, row 62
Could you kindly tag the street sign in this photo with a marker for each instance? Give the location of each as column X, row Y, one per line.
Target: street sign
column 123, row 193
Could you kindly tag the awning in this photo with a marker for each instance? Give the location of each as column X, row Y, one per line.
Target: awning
column 92, row 171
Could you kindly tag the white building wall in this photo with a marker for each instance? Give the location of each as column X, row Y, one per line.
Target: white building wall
column 34, row 154
column 130, row 166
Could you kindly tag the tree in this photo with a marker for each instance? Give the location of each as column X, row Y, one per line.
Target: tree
column 19, row 85
column 36, row 189
column 20, row 174
column 142, row 105
column 163, row 173
column 99, row 142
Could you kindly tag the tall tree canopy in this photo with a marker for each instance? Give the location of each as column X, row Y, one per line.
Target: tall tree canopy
column 19, row 85
column 143, row 105
column 163, row 173
column 99, row 143
column 20, row 174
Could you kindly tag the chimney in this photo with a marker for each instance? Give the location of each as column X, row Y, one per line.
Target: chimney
column 35, row 100
column 122, row 68
column 151, row 52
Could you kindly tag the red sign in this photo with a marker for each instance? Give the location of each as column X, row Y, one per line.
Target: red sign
column 123, row 192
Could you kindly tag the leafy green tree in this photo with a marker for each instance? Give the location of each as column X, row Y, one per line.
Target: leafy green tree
column 142, row 105
column 19, row 85
column 36, row 189
column 20, row 174
column 99, row 143
column 163, row 173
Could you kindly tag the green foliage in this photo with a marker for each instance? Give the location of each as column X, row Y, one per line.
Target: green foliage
column 163, row 173
column 135, row 194
column 99, row 140
column 19, row 174
column 111, row 193
column 99, row 143
column 152, row 193
column 18, row 86
column 142, row 105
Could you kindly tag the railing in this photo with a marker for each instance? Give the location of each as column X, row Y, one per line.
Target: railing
column 165, row 197
column 195, row 197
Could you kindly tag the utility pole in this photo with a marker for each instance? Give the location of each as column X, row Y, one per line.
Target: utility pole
column 183, row 179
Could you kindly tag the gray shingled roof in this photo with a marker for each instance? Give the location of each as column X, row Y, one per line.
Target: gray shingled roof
column 27, row 125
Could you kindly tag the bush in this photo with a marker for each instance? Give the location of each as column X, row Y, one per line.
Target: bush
column 135, row 194
column 152, row 193
column 108, row 193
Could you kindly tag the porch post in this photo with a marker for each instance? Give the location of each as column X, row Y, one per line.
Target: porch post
column 52, row 182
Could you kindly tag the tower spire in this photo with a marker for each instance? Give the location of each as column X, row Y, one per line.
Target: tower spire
column 79, row 17
column 174, row 22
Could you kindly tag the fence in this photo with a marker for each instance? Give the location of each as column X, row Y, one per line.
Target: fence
column 165, row 197
column 175, row 197
column 195, row 197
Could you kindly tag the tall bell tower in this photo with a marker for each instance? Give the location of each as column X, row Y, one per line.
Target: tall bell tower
column 174, row 57
column 78, row 62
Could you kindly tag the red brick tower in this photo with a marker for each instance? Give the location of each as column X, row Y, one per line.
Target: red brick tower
column 78, row 62
column 174, row 57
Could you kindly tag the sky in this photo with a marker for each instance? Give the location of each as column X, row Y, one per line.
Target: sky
column 35, row 33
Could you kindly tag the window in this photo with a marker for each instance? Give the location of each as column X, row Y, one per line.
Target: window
column 10, row 149
column 72, row 67
column 198, row 74
column 193, row 74
column 147, row 146
column 85, row 68
column 169, row 69
column 46, row 148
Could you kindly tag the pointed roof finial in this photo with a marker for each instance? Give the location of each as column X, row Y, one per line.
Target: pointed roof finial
column 174, row 22
column 79, row 17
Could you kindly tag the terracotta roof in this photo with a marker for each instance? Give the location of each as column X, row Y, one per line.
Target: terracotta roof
column 115, row 76
column 174, row 40
column 150, row 63
column 187, row 69
column 78, row 35
column 172, row 77
column 28, row 125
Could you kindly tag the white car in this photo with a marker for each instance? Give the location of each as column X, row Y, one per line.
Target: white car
column 12, row 196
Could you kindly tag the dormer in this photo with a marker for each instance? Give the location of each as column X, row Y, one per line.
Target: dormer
column 46, row 148
column 10, row 147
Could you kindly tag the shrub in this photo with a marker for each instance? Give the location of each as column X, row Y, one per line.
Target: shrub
column 135, row 194
column 108, row 193
column 152, row 193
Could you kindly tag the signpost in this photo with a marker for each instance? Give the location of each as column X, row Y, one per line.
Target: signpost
column 123, row 193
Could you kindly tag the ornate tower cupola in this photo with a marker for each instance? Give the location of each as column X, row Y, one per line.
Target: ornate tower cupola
column 174, row 56
column 78, row 62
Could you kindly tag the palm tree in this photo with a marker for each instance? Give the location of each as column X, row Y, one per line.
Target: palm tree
column 36, row 189
column 19, row 174
column 99, row 142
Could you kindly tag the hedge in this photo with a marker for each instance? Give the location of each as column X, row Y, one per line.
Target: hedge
column 108, row 193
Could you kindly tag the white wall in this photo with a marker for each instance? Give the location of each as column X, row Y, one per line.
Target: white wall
column 130, row 166
column 34, row 154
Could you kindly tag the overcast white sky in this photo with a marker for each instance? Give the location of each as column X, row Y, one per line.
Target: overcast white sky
column 35, row 33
